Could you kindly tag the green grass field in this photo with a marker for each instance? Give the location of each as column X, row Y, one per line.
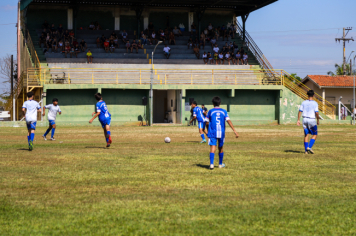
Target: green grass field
column 142, row 186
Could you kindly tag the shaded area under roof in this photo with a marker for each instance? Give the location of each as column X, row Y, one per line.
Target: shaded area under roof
column 241, row 7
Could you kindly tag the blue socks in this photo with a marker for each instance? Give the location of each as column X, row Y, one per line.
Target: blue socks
column 108, row 133
column 305, row 146
column 202, row 136
column 52, row 134
column 311, row 143
column 212, row 158
column 221, row 157
column 47, row 131
column 32, row 137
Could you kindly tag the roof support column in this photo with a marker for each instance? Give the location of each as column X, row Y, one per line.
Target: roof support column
column 244, row 19
column 139, row 10
column 200, row 13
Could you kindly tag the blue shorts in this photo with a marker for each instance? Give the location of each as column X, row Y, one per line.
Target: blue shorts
column 52, row 122
column 201, row 125
column 31, row 125
column 214, row 141
column 310, row 126
column 105, row 122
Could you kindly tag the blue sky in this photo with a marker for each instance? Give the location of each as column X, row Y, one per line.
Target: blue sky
column 295, row 35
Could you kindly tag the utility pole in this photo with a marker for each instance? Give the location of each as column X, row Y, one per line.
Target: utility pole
column 344, row 39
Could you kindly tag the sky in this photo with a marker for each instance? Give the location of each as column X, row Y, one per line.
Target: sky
column 295, row 35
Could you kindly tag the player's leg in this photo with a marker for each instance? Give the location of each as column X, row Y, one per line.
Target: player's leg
column 314, row 133
column 201, row 127
column 32, row 129
column 47, row 131
column 221, row 152
column 212, row 143
column 53, row 130
column 306, row 140
column 108, row 133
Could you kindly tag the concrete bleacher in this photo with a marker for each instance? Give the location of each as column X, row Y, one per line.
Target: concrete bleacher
column 180, row 54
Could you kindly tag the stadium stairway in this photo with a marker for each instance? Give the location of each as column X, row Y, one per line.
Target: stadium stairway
column 180, row 54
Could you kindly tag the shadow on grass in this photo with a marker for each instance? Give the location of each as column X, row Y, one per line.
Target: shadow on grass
column 22, row 149
column 98, row 147
column 203, row 166
column 293, row 151
column 192, row 141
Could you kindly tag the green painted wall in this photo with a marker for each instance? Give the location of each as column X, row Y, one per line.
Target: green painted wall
column 289, row 107
column 36, row 17
column 105, row 19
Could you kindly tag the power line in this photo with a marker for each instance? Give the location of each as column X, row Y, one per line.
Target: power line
column 293, row 30
column 9, row 24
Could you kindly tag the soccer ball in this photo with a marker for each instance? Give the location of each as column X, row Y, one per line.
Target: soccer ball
column 167, row 140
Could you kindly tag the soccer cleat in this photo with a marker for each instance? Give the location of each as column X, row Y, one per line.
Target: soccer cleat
column 306, row 152
column 204, row 141
column 108, row 144
column 44, row 137
column 310, row 151
column 52, row 139
column 222, row 166
column 110, row 140
column 211, row 167
column 30, row 146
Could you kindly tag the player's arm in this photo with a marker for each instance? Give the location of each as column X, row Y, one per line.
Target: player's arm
column 96, row 115
column 44, row 111
column 24, row 112
column 194, row 118
column 232, row 127
column 299, row 115
column 317, row 117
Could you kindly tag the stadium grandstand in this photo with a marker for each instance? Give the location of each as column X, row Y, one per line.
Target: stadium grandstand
column 71, row 49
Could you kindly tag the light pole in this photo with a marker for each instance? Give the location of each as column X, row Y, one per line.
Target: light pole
column 151, row 90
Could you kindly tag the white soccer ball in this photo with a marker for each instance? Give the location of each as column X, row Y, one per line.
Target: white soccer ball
column 167, row 140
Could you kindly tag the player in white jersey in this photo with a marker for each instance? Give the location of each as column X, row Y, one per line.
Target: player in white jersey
column 30, row 109
column 53, row 109
column 310, row 112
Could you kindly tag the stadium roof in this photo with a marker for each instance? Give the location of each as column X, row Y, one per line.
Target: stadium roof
column 326, row 81
column 241, row 7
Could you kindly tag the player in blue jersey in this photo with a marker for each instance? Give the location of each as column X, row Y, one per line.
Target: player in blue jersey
column 53, row 109
column 104, row 117
column 198, row 115
column 216, row 119
column 30, row 109
column 310, row 112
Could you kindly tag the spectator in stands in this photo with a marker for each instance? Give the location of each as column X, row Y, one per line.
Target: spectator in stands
column 162, row 37
column 75, row 42
column 205, row 58
column 89, row 57
column 233, row 58
column 245, row 59
column 61, row 46
column 225, row 50
column 49, row 45
column 139, row 45
column 228, row 57
column 210, row 58
column 91, row 26
column 71, row 35
column 190, row 43
column 196, row 43
column 210, row 29
column 55, row 34
column 223, row 32
column 216, row 34
column 193, row 29
column 128, row 46
column 76, row 51
column 67, row 50
column 97, row 25
column 212, row 42
column 206, row 32
column 232, row 31
column 54, row 45
column 143, row 38
column 216, row 48
column 151, row 28
column 116, row 42
column 202, row 43
column 134, row 46
column 52, row 28
column 83, row 45
column 216, row 58
column 102, row 40
column 112, row 46
column 66, row 35
column 176, row 31
column 113, row 34
column 154, row 38
column 236, row 47
column 60, row 30
column 107, row 45
column 238, row 58
column 167, row 51
column 196, row 52
column 42, row 40
column 98, row 42
column 45, row 25
column 242, row 52
column 124, row 36
column 48, row 37
column 172, row 39
column 221, row 58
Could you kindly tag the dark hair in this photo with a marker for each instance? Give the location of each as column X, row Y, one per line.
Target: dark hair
column 30, row 94
column 195, row 103
column 98, row 96
column 310, row 93
column 202, row 104
column 55, row 100
column 216, row 101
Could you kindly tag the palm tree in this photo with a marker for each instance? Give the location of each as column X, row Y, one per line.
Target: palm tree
column 339, row 70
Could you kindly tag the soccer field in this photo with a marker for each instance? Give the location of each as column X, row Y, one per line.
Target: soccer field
column 142, row 186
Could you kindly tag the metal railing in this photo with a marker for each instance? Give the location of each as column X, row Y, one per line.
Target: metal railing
column 40, row 77
column 17, row 90
column 290, row 82
column 32, row 51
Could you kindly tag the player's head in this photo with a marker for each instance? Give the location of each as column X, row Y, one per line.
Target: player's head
column 216, row 101
column 55, row 101
column 30, row 95
column 202, row 105
column 98, row 96
column 194, row 104
column 310, row 93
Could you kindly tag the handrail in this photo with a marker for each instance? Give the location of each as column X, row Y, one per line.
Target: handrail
column 16, row 91
column 32, row 51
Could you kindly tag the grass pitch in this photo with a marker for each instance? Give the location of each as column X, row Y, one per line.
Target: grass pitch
column 142, row 186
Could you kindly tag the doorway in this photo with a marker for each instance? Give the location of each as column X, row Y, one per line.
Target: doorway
column 167, row 106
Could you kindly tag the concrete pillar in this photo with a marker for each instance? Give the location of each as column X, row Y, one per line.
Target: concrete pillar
column 182, row 105
column 117, row 23
column 190, row 20
column 145, row 22
column 70, row 19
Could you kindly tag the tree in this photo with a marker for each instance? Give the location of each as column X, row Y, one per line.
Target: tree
column 296, row 77
column 339, row 70
column 5, row 74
